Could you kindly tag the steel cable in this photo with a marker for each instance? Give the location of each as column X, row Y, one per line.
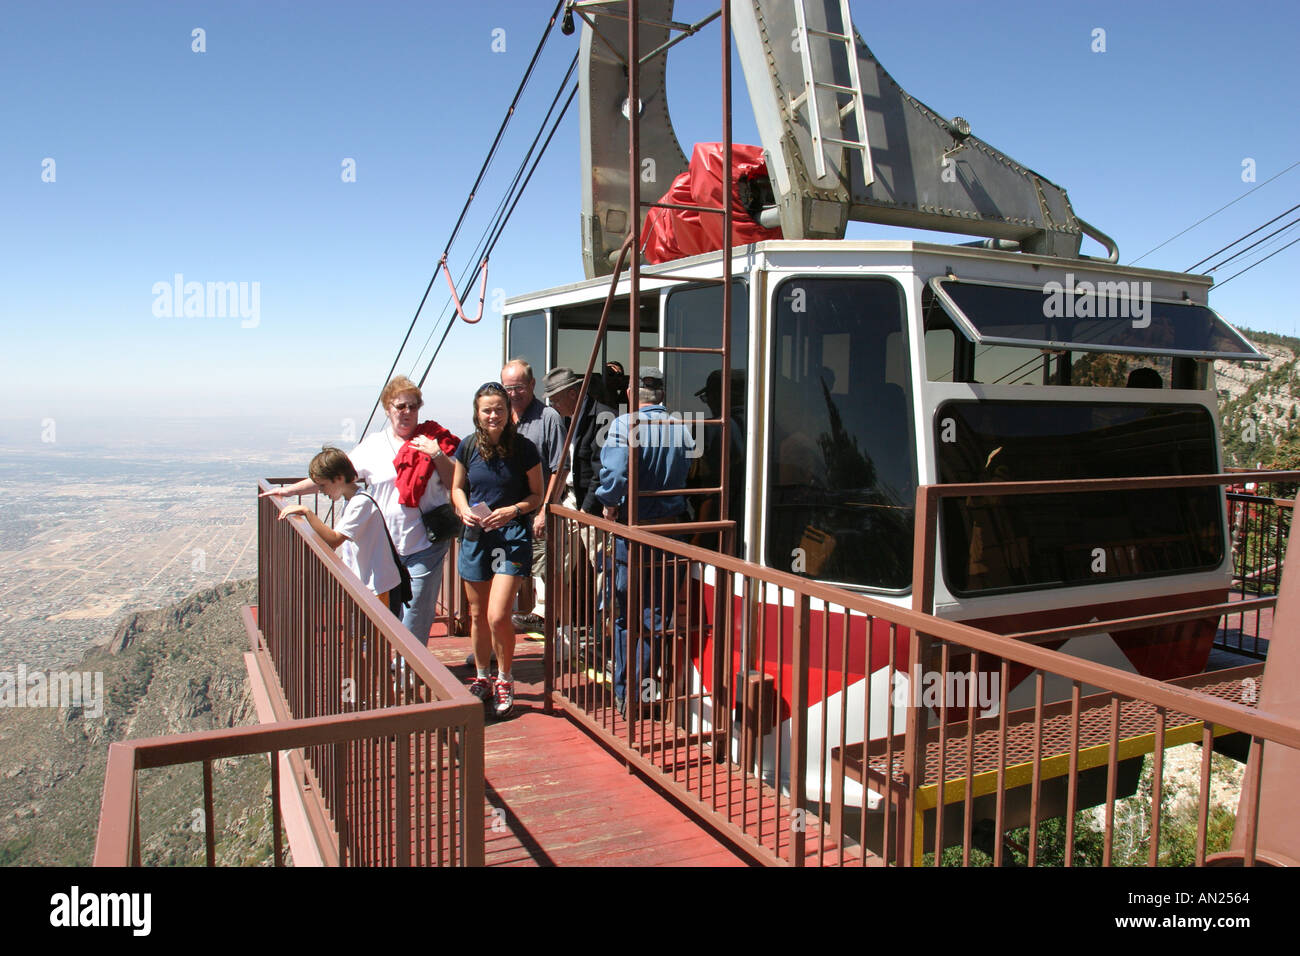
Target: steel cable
column 469, row 200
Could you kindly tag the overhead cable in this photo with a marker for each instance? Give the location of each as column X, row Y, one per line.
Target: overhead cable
column 1280, row 229
column 1215, row 213
column 469, row 200
column 1235, row 241
column 501, row 227
column 484, row 244
column 1220, row 285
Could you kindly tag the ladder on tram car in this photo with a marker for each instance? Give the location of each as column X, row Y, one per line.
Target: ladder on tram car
column 723, row 421
column 820, row 76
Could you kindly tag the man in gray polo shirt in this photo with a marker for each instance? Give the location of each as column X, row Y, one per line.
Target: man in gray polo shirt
column 543, row 426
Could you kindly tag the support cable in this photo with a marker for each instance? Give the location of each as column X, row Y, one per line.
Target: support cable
column 483, row 246
column 1235, row 241
column 1253, row 264
column 1215, row 213
column 469, row 199
column 1266, row 241
column 497, row 235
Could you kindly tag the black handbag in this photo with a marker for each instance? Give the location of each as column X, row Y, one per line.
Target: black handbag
column 403, row 591
column 441, row 523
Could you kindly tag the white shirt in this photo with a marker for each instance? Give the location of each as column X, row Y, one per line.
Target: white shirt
column 366, row 551
column 373, row 460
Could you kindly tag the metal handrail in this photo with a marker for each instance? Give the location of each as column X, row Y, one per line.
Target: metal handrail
column 678, row 760
column 1246, row 719
column 428, row 668
column 117, row 841
column 329, row 628
column 306, row 632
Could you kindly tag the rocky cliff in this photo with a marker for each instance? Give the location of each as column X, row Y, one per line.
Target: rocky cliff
column 1258, row 402
column 169, row 671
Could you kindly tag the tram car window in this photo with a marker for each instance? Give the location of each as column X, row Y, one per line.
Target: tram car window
column 526, row 339
column 993, row 544
column 841, row 465
column 575, row 331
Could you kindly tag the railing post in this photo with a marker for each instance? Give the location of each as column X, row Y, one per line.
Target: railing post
column 559, row 591
column 117, row 840
column 403, row 796
column 723, row 692
column 1266, row 819
column 914, row 745
column 923, row 548
column 472, row 791
column 917, row 719
column 277, row 841
column 209, row 835
column 633, row 617
column 341, row 821
column 263, row 544
column 799, row 731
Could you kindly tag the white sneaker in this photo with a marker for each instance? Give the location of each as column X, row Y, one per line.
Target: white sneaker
column 504, row 692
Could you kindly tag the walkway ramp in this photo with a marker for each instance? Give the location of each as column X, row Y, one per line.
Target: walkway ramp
column 555, row 797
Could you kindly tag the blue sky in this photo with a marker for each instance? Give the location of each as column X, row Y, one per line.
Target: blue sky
column 226, row 166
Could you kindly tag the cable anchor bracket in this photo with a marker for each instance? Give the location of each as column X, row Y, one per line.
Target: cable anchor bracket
column 455, row 296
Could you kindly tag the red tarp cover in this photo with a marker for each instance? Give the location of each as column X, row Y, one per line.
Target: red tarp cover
column 675, row 233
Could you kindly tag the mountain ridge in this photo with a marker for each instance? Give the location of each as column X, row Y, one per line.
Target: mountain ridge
column 167, row 671
column 1258, row 404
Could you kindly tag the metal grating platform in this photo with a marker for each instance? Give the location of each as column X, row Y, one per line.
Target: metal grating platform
column 971, row 750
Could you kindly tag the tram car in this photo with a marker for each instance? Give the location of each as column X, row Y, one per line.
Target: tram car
column 861, row 369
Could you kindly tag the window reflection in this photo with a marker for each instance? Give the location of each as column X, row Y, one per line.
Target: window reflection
column 1054, row 540
column 527, row 340
column 841, row 471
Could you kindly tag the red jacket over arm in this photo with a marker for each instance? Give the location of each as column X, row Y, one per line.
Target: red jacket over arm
column 414, row 467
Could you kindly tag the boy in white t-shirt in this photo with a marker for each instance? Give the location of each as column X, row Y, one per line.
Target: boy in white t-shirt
column 360, row 535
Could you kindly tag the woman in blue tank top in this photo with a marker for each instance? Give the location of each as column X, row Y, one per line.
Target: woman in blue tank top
column 498, row 482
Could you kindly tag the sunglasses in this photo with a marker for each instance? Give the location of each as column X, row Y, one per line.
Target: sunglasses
column 491, row 387
column 405, row 406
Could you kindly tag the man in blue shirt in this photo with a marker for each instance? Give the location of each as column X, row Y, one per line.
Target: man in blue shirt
column 664, row 447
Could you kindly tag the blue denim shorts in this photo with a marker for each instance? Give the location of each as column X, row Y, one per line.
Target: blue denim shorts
column 507, row 550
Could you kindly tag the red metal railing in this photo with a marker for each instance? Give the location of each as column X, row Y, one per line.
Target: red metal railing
column 391, row 763
column 451, row 609
column 814, row 726
column 366, row 832
column 1259, row 526
column 336, row 651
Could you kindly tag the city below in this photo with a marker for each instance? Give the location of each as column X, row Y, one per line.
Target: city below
column 93, row 530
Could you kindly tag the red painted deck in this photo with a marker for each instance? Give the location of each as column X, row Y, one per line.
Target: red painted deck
column 558, row 798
